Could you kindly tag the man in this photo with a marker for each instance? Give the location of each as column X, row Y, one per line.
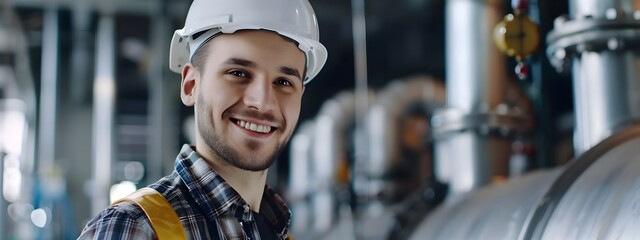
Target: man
column 244, row 64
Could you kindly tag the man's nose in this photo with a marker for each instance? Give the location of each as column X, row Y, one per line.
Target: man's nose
column 259, row 95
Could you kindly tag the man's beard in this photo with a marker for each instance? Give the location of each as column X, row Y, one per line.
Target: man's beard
column 249, row 162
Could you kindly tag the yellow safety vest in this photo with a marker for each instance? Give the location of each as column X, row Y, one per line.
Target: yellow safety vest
column 163, row 218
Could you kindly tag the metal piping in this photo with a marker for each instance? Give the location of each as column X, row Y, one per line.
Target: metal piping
column 300, row 177
column 103, row 113
column 48, row 91
column 361, row 143
column 384, row 114
column 159, row 116
column 493, row 212
column 80, row 60
column 330, row 144
column 476, row 84
column 13, row 42
column 475, row 68
column 380, row 216
column 327, row 138
column 595, row 197
column 600, row 41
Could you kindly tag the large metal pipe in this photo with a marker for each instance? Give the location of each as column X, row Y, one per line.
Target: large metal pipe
column 80, row 58
column 48, row 91
column 21, row 86
column 103, row 113
column 476, row 79
column 599, row 40
column 380, row 217
column 361, row 143
column 300, row 178
column 494, row 212
column 383, row 119
column 330, row 145
column 593, row 198
column 162, row 134
column 475, row 68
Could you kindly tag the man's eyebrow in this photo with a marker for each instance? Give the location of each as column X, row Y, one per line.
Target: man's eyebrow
column 247, row 63
column 290, row 71
column 239, row 61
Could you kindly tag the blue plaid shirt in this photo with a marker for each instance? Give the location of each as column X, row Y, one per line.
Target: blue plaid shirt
column 205, row 203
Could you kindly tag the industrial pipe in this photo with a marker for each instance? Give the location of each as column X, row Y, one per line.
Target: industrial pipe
column 596, row 195
column 600, row 41
column 478, row 100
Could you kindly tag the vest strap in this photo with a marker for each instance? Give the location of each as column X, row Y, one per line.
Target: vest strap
column 163, row 218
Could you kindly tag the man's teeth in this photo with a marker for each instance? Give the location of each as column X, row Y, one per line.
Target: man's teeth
column 254, row 127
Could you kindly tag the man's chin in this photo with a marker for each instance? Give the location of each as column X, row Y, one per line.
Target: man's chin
column 253, row 165
column 246, row 154
column 253, row 157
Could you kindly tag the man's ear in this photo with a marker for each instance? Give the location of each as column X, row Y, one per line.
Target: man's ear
column 188, row 85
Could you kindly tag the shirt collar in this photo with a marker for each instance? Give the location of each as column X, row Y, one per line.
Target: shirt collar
column 216, row 197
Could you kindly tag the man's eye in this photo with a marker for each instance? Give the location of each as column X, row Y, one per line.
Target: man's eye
column 284, row 82
column 238, row 73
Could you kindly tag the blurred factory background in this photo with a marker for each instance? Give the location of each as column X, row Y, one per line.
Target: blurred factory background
column 432, row 119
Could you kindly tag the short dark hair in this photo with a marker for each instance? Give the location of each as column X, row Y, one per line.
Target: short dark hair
column 200, row 57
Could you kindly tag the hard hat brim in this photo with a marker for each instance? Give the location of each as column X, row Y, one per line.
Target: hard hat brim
column 315, row 52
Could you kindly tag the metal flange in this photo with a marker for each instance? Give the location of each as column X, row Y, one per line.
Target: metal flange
column 573, row 37
column 502, row 121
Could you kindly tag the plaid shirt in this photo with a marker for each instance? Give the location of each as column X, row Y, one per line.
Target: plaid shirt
column 206, row 205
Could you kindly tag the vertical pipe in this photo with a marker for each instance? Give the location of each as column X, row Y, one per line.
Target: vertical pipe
column 80, row 52
column 362, row 92
column 476, row 78
column 605, row 91
column 361, row 162
column 475, row 68
column 103, row 113
column 324, row 160
column 329, row 144
column 605, row 83
column 48, row 90
column 26, row 87
column 155, row 153
column 300, row 175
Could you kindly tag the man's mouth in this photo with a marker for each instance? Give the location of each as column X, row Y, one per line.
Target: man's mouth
column 254, row 127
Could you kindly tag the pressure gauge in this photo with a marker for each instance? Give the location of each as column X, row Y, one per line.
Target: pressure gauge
column 517, row 36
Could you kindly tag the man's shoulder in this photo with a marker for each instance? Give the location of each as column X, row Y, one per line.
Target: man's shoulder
column 125, row 210
column 127, row 220
column 174, row 190
column 124, row 220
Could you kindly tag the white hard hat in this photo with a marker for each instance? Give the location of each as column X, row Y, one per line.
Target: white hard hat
column 293, row 19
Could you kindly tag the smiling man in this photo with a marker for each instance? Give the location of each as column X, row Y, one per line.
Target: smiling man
column 244, row 65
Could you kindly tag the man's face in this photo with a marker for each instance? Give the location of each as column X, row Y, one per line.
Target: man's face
column 247, row 97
